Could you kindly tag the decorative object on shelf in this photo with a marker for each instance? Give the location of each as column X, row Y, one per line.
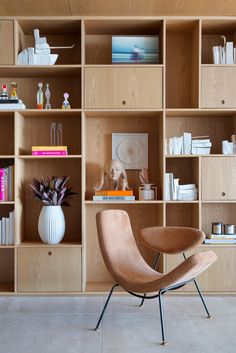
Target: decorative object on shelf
column 176, row 192
column 48, row 96
column 40, row 96
column 188, row 144
column 147, row 191
column 53, row 193
column 221, row 234
column 217, row 228
column 66, row 104
column 49, row 151
column 41, row 53
column 229, row 147
column 135, row 49
column 114, row 195
column 13, row 102
column 56, row 131
column 131, row 149
column 113, row 177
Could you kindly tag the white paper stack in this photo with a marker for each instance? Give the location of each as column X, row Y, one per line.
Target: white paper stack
column 201, row 146
column 187, row 192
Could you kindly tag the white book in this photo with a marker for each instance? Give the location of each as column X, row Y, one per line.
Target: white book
column 0, row 232
column 187, row 197
column 187, row 186
column 189, row 192
column 3, row 231
column 201, row 150
column 169, row 177
column 7, row 239
column 216, row 55
column 222, row 55
column 234, row 55
column 229, row 53
column 12, row 227
column 187, row 140
column 175, row 189
column 170, row 150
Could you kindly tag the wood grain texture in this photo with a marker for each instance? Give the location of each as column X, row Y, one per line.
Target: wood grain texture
column 123, row 88
column 49, row 269
column 6, row 42
column 6, row 133
column 182, row 215
column 219, row 178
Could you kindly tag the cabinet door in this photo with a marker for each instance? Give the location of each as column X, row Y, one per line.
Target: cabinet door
column 219, row 178
column 123, row 87
column 6, row 43
column 49, row 269
column 218, row 87
column 220, row 277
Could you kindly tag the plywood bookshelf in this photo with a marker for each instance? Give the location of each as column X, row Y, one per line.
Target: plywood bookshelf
column 164, row 99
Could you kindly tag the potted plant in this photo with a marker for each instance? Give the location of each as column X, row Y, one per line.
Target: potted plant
column 53, row 193
column 147, row 191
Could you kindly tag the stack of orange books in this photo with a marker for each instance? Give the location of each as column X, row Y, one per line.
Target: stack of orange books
column 114, row 195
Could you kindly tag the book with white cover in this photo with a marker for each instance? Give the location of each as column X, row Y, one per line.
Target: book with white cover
column 0, row 232
column 187, row 186
column 216, row 55
column 3, row 231
column 187, row 140
column 7, row 239
column 229, row 53
column 169, row 180
column 12, row 227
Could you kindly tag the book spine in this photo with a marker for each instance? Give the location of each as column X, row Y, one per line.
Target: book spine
column 49, row 153
column 114, row 193
column 2, row 195
column 49, row 148
column 113, row 198
column 6, row 186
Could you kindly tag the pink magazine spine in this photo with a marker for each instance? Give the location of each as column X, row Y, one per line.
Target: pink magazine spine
column 2, row 185
column 49, row 153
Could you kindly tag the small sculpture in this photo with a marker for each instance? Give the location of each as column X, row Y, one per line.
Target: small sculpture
column 147, row 191
column 14, row 93
column 66, row 104
column 113, row 177
column 40, row 96
column 12, row 102
column 48, row 96
column 4, row 94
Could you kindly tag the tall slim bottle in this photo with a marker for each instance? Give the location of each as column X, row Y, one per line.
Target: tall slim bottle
column 40, row 96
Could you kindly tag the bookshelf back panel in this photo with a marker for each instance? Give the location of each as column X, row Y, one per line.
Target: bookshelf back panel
column 99, row 131
column 175, row 212
column 140, row 216
column 34, row 130
column 31, row 208
column 6, row 133
column 7, row 266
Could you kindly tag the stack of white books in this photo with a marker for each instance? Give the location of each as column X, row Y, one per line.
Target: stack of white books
column 220, row 239
column 201, row 146
column 7, row 229
column 225, row 54
column 176, row 192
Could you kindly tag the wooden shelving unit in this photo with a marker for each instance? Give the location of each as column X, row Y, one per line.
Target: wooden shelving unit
column 183, row 91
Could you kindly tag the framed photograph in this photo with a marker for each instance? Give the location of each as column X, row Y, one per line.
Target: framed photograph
column 131, row 149
column 135, row 49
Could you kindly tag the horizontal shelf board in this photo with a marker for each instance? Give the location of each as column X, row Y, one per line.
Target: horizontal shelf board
column 38, row 112
column 217, row 245
column 39, row 244
column 121, row 112
column 50, row 157
column 7, row 203
column 182, row 155
column 10, row 156
column 28, row 71
column 7, row 246
column 123, row 65
column 175, row 113
column 218, row 155
column 218, row 201
column 136, row 202
column 218, row 65
column 179, row 202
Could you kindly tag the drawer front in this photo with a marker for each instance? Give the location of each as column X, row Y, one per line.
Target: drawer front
column 219, row 178
column 122, row 88
column 6, row 40
column 49, row 269
column 220, row 277
column 218, row 87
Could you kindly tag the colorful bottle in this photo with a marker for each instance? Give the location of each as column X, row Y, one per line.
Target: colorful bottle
column 14, row 93
column 40, row 96
column 66, row 104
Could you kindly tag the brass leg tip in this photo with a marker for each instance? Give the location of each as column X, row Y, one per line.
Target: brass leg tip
column 163, row 343
column 209, row 317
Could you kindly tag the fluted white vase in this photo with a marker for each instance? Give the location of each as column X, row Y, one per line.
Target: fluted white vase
column 51, row 224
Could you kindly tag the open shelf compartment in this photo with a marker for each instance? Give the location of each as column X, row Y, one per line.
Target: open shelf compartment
column 7, row 270
column 6, row 133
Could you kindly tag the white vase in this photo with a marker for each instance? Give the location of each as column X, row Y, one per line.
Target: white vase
column 147, row 192
column 51, row 224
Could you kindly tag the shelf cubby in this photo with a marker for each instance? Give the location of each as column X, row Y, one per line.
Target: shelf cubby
column 6, row 133
column 33, row 129
column 7, row 270
column 98, row 136
column 98, row 37
column 182, row 214
column 141, row 216
column 212, row 30
column 182, row 63
column 59, row 32
column 29, row 209
column 217, row 212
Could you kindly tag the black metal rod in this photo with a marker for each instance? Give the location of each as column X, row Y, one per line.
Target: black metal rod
column 105, row 306
column 199, row 292
column 161, row 319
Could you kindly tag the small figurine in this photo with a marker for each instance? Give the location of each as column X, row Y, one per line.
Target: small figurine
column 14, row 93
column 40, row 96
column 66, row 104
column 113, row 177
column 4, row 94
column 48, row 96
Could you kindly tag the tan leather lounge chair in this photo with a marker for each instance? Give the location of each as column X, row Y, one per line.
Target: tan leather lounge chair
column 130, row 271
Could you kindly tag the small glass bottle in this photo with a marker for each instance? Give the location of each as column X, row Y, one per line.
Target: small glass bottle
column 40, row 96
column 48, row 96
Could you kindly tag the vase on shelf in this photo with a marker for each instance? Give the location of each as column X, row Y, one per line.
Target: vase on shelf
column 51, row 224
column 147, row 192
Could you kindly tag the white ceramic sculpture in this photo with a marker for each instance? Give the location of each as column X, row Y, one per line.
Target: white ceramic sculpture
column 113, row 177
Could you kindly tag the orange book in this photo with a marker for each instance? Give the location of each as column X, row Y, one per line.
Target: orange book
column 114, row 193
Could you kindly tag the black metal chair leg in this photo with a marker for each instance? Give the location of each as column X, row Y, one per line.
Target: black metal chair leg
column 200, row 294
column 105, row 306
column 141, row 304
column 161, row 318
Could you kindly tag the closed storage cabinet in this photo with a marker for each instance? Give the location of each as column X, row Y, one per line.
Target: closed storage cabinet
column 220, row 277
column 49, row 269
column 123, row 87
column 218, row 178
column 6, row 43
column 218, row 87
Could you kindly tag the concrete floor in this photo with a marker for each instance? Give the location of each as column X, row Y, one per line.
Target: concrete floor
column 63, row 325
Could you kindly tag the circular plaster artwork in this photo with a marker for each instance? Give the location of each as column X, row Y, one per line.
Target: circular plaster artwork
column 130, row 151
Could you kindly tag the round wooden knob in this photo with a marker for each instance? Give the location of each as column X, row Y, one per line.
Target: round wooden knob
column 49, row 253
column 223, row 193
column 223, row 101
column 124, row 102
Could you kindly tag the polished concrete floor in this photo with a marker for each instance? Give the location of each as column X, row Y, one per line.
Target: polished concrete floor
column 64, row 325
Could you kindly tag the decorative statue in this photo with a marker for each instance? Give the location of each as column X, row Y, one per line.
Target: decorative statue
column 113, row 177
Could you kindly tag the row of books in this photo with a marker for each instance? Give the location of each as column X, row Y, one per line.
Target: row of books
column 49, row 151
column 186, row 144
column 7, row 229
column 176, row 192
column 225, row 54
column 7, row 183
column 114, row 195
column 220, row 239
